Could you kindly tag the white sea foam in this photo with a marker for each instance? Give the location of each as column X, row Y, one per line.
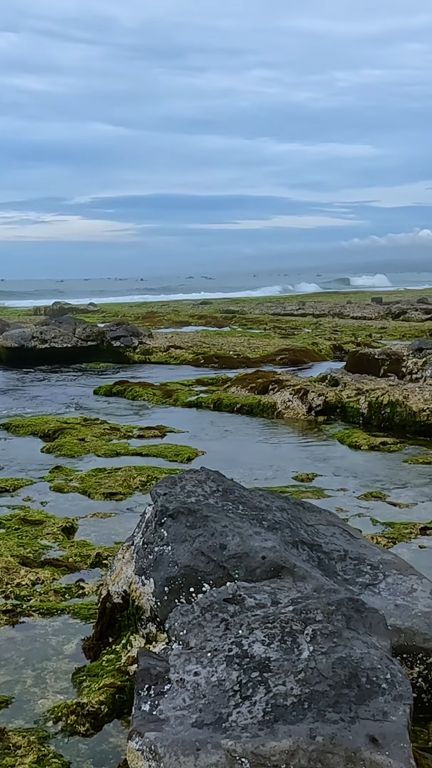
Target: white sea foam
column 269, row 290
column 307, row 288
column 370, row 281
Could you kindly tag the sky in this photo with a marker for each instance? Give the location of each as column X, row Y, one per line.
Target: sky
column 176, row 134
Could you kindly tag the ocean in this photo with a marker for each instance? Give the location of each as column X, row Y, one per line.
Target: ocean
column 28, row 293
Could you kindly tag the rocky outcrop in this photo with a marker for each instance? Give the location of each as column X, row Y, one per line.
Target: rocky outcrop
column 62, row 308
column 411, row 362
column 278, row 627
column 351, row 309
column 66, row 340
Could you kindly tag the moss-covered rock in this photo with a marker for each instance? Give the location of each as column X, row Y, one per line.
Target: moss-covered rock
column 373, row 496
column 10, row 485
column 30, row 571
column 383, row 497
column 378, row 404
column 305, row 477
column 299, row 492
column 5, row 702
column 73, row 437
column 106, row 484
column 424, row 460
column 394, row 533
column 359, row 440
column 28, row 748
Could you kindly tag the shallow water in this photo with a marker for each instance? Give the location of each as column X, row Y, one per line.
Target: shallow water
column 42, row 654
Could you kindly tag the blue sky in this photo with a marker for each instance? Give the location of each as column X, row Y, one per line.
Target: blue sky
column 174, row 133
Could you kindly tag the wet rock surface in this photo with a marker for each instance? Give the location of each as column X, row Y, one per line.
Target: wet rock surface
column 67, row 339
column 280, row 622
column 411, row 362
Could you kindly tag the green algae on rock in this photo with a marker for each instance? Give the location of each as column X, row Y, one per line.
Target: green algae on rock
column 73, row 437
column 381, row 404
column 107, row 483
column 299, row 492
column 30, row 574
column 424, row 460
column 359, row 440
column 383, row 497
column 394, row 533
column 10, row 485
column 305, row 477
column 104, row 689
column 28, row 748
column 5, row 702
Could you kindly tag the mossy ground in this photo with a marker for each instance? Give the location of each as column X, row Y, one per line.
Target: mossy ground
column 30, row 574
column 106, row 484
column 73, row 437
column 424, row 460
column 322, row 332
column 388, row 407
column 359, row 440
column 305, row 477
column 301, row 492
column 5, row 702
column 10, row 485
column 28, row 748
column 383, row 497
column 394, row 533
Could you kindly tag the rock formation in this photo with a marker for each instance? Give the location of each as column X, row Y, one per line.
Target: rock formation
column 66, row 339
column 278, row 631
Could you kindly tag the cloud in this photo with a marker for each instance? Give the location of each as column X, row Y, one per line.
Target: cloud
column 416, row 237
column 301, row 112
column 18, row 226
column 283, row 222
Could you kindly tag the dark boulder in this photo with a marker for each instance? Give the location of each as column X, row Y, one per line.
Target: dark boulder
column 67, row 340
column 280, row 620
column 377, row 300
column 377, row 362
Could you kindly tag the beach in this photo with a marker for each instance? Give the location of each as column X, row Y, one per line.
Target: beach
column 194, row 376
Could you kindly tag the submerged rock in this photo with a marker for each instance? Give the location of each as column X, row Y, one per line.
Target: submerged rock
column 66, row 339
column 280, row 624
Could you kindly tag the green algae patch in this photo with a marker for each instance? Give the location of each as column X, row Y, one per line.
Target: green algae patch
column 10, row 485
column 394, row 533
column 383, row 497
column 299, row 492
column 359, row 440
column 305, row 477
column 424, row 460
column 211, row 393
column 105, row 690
column 37, row 550
column 5, row 702
column 28, row 748
column 106, row 484
column 73, row 437
column 373, row 496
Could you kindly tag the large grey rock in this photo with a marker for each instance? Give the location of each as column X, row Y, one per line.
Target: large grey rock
column 258, row 675
column 67, row 339
column 280, row 620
